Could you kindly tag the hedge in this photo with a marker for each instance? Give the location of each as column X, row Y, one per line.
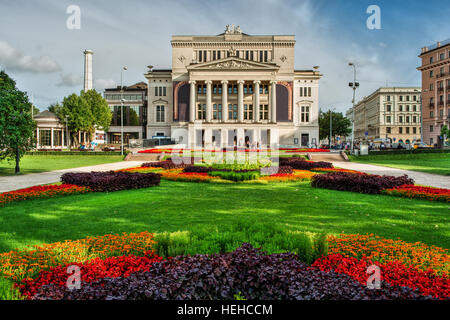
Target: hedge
column 358, row 182
column 111, row 180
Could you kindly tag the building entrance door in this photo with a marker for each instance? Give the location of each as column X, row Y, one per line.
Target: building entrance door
column 305, row 139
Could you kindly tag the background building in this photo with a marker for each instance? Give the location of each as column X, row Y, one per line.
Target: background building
column 134, row 112
column 234, row 89
column 50, row 132
column 435, row 70
column 389, row 113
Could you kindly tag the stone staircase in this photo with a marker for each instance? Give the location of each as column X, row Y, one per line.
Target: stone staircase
column 328, row 156
column 143, row 157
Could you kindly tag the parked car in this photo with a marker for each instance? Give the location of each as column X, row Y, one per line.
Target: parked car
column 421, row 145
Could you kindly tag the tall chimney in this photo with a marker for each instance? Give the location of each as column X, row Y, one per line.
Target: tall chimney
column 88, row 70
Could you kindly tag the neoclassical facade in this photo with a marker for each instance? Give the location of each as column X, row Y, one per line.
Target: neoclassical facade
column 234, row 89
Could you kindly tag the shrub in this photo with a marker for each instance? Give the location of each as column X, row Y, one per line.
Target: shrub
column 302, row 164
column 197, row 169
column 112, row 181
column 246, row 272
column 235, row 176
column 362, row 183
column 285, row 170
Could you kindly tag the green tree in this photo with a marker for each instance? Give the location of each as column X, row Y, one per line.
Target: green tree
column 16, row 123
column 341, row 126
column 55, row 108
column 444, row 133
column 101, row 114
column 78, row 114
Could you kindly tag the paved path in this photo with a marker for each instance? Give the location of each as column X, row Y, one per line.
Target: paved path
column 9, row 183
column 426, row 179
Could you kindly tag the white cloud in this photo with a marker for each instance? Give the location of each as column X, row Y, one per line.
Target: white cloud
column 70, row 80
column 15, row 60
column 100, row 84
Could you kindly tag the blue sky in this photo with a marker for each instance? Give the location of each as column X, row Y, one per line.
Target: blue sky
column 46, row 60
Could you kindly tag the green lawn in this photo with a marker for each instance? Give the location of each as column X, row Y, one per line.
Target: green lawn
column 438, row 163
column 177, row 206
column 43, row 163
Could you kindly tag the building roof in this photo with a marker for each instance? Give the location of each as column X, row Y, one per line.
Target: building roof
column 46, row 114
column 135, row 87
column 439, row 45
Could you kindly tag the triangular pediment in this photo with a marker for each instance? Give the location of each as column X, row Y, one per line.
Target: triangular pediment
column 233, row 63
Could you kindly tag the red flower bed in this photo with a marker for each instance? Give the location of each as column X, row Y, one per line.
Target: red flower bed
column 392, row 272
column 418, row 192
column 36, row 192
column 90, row 271
column 303, row 150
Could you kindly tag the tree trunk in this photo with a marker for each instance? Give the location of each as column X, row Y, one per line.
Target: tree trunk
column 17, row 171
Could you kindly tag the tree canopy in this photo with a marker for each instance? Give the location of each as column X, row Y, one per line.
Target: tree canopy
column 85, row 112
column 16, row 122
column 341, row 126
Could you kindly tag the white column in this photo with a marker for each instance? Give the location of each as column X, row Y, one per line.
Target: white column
column 208, row 101
column 51, row 138
column 240, row 136
column 192, row 102
column 256, row 101
column 224, row 100
column 62, row 138
column 208, row 138
column 37, row 138
column 273, row 102
column 241, row 100
column 224, row 137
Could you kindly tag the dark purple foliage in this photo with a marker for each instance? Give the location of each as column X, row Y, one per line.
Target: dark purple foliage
column 356, row 182
column 166, row 164
column 112, row 181
column 198, row 169
column 248, row 271
column 285, row 170
column 302, row 164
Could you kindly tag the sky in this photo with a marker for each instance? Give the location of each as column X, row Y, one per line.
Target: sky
column 46, row 58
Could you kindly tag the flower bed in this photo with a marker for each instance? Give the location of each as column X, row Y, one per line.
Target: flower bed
column 39, row 192
column 335, row 170
column 306, row 150
column 246, row 271
column 362, row 183
column 302, row 164
column 419, row 192
column 112, row 181
column 90, row 271
column 187, row 176
column 21, row 264
column 375, row 248
column 394, row 273
column 297, row 175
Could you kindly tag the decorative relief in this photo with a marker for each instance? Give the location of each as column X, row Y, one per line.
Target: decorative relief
column 232, row 29
column 231, row 65
column 283, row 58
column 182, row 59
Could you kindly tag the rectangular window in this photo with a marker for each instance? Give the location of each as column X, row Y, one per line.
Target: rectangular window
column 388, row 119
column 400, row 119
column 388, row 130
column 160, row 114
column 264, row 112
column 164, row 91
column 200, row 56
column 45, row 137
column 431, row 114
column 301, row 91
column 304, row 115
column 201, row 111
column 407, row 119
column 261, row 56
column 388, row 108
column 400, row 130
column 218, row 55
column 248, row 112
column 407, row 130
column 400, row 108
column 214, row 55
column 217, row 112
column 160, row 91
column 156, row 91
column 265, row 56
column 388, row 98
column 401, row 98
column 431, row 128
column 309, row 91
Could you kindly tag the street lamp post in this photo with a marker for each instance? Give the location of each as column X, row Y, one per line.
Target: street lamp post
column 121, row 110
column 331, row 127
column 353, row 85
